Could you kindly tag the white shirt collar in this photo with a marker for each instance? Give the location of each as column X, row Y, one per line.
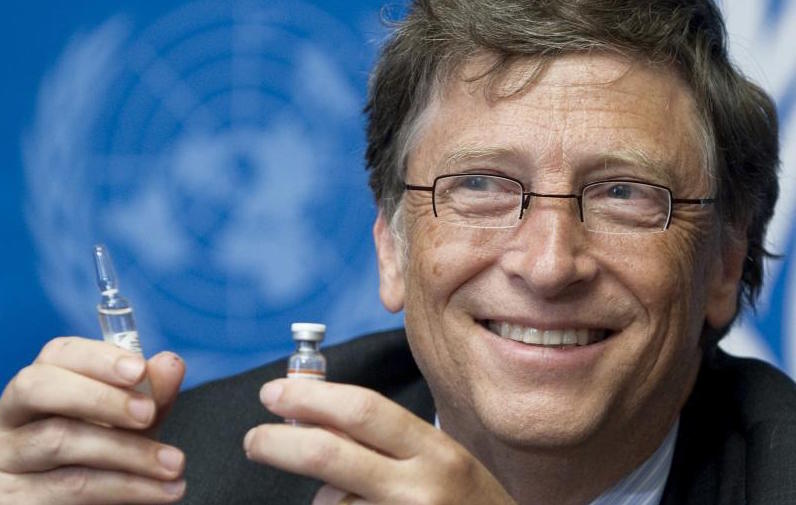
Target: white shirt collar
column 644, row 485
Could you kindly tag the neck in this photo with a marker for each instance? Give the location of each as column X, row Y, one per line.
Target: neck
column 573, row 475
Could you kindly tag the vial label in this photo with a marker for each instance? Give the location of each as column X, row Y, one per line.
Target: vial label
column 126, row 340
column 293, row 373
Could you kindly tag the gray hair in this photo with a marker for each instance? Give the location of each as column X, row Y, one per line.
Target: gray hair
column 737, row 118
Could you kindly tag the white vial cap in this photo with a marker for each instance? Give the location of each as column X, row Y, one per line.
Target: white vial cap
column 308, row 331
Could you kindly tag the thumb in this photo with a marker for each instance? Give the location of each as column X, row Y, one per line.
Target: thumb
column 165, row 371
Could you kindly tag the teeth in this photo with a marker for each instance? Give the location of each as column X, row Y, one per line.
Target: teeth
column 553, row 337
column 528, row 335
column 532, row 336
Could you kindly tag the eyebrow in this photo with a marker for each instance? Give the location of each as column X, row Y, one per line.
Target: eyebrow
column 469, row 153
column 635, row 157
column 629, row 156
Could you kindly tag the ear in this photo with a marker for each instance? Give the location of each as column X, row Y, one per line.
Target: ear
column 391, row 277
column 725, row 281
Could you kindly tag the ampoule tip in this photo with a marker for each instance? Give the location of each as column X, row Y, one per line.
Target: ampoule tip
column 106, row 275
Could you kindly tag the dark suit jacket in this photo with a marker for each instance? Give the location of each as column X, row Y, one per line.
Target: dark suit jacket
column 736, row 444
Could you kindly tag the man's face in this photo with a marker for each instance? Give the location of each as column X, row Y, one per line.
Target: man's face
column 641, row 299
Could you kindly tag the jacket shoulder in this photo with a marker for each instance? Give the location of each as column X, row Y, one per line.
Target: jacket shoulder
column 737, row 437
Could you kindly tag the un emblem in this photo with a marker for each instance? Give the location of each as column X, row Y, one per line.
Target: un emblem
column 218, row 152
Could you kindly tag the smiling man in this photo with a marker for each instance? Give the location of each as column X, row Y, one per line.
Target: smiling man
column 573, row 198
column 548, row 340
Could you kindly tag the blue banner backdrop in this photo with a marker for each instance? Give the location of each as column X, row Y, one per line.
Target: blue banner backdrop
column 216, row 148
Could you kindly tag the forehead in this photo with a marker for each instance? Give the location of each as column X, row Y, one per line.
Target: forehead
column 581, row 113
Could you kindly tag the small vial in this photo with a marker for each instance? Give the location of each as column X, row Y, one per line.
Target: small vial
column 115, row 312
column 307, row 362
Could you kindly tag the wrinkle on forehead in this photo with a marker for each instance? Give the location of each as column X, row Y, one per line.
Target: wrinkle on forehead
column 571, row 93
column 631, row 156
column 480, row 74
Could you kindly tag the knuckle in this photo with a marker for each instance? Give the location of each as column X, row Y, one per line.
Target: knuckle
column 457, row 462
column 364, row 410
column 47, row 439
column 320, row 456
column 104, row 396
column 26, row 382
column 52, row 349
column 69, row 481
column 13, row 490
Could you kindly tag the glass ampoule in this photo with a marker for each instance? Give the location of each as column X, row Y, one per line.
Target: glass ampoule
column 114, row 311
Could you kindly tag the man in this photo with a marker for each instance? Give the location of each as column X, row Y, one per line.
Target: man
column 573, row 200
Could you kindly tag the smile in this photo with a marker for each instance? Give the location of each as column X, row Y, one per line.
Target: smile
column 551, row 338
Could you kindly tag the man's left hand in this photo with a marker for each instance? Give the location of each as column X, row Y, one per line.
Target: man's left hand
column 364, row 444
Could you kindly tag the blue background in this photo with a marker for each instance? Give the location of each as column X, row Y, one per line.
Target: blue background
column 217, row 148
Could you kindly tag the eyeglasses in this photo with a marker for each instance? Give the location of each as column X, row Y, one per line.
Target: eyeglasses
column 479, row 200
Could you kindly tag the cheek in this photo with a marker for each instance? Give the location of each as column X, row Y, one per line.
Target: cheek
column 685, row 265
column 660, row 353
column 662, row 272
column 442, row 257
column 661, row 277
column 669, row 289
column 679, row 309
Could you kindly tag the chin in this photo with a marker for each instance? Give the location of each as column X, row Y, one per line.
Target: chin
column 539, row 423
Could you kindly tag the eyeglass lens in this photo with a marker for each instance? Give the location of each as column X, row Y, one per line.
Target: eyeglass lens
column 490, row 201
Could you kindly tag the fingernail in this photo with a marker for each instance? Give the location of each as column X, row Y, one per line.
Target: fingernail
column 174, row 487
column 247, row 440
column 141, row 408
column 170, row 458
column 271, row 392
column 130, row 368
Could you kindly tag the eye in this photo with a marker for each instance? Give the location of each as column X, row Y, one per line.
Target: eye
column 621, row 191
column 477, row 186
column 477, row 183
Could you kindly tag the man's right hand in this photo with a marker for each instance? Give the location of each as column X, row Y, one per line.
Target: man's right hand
column 73, row 431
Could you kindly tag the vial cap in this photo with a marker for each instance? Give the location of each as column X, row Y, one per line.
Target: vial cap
column 308, row 331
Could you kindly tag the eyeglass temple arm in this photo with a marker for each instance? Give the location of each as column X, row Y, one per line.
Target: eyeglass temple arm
column 695, row 201
column 418, row 188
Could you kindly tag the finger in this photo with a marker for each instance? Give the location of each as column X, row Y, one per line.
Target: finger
column 330, row 495
column 318, row 453
column 42, row 390
column 86, row 486
column 361, row 413
column 55, row 442
column 166, row 371
column 99, row 360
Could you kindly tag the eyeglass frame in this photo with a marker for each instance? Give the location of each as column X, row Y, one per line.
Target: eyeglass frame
column 526, row 195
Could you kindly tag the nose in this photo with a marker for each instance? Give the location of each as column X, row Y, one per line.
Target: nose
column 548, row 251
